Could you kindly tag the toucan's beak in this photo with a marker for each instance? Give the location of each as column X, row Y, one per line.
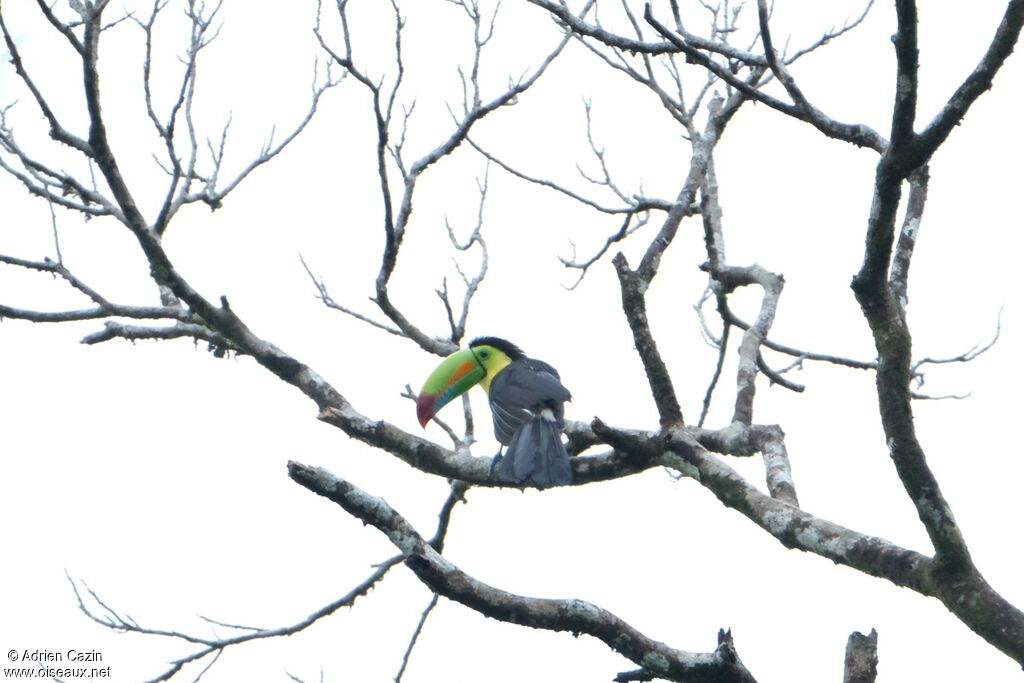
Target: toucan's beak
column 425, row 408
column 453, row 377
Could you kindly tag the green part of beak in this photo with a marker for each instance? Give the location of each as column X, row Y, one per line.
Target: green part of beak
column 453, row 377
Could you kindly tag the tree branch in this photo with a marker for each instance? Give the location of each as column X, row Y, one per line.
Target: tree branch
column 861, row 664
column 415, row 637
column 858, row 134
column 900, row 270
column 562, row 14
column 793, row 527
column 57, row 131
column 575, row 616
column 109, row 618
column 980, row 80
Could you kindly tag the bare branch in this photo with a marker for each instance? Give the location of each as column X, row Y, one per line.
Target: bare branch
column 217, row 343
column 980, row 80
column 634, row 205
column 778, row 474
column 396, row 222
column 966, row 356
column 633, row 283
column 904, row 109
column 65, row 29
column 884, row 312
column 723, row 344
column 325, row 297
column 112, row 619
column 800, row 354
column 575, row 616
column 415, row 637
column 458, row 325
column 900, row 270
column 858, row 134
column 628, row 227
column 776, row 376
column 831, row 35
column 56, row 187
column 57, row 131
column 791, row 526
column 634, row 305
column 918, row 396
column 457, row 442
column 108, row 617
column 880, row 287
column 104, row 308
column 561, row 12
column 729, row 278
column 66, row 316
column 702, row 145
column 606, row 179
column 672, row 102
column 861, row 664
column 724, row 279
column 214, row 196
column 880, row 301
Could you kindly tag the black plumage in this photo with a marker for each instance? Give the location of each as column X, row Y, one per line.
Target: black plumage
column 527, row 402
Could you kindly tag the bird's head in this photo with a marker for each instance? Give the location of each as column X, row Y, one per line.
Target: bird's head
column 485, row 357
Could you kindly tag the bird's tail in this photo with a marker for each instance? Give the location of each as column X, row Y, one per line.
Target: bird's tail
column 536, row 456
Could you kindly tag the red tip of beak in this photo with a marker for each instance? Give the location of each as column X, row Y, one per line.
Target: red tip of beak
column 425, row 408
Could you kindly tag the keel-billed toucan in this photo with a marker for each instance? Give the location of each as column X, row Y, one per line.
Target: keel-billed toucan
column 527, row 403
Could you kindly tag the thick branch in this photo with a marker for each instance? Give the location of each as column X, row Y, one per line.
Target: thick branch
column 980, row 80
column 797, row 529
column 634, row 283
column 778, row 473
column 575, row 616
column 702, row 146
column 881, row 304
column 65, row 30
column 858, row 134
column 904, row 109
column 861, row 664
column 900, row 271
column 729, row 278
column 953, row 577
column 634, row 305
column 893, row 344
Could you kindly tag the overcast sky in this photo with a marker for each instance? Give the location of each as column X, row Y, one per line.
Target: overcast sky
column 155, row 473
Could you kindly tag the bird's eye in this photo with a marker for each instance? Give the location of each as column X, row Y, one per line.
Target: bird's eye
column 484, row 354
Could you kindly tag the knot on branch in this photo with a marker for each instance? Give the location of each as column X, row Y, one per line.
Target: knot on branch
column 726, row 651
column 681, row 442
column 638, row 450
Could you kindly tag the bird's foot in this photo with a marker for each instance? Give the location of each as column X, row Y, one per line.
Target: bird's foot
column 494, row 463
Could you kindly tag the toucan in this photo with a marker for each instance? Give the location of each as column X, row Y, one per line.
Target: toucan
column 527, row 402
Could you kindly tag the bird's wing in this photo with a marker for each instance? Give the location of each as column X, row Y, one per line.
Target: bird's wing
column 520, row 391
column 529, row 383
column 507, row 420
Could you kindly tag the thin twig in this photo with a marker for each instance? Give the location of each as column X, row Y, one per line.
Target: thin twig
column 415, row 637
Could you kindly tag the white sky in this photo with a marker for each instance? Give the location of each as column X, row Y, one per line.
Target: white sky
column 156, row 473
